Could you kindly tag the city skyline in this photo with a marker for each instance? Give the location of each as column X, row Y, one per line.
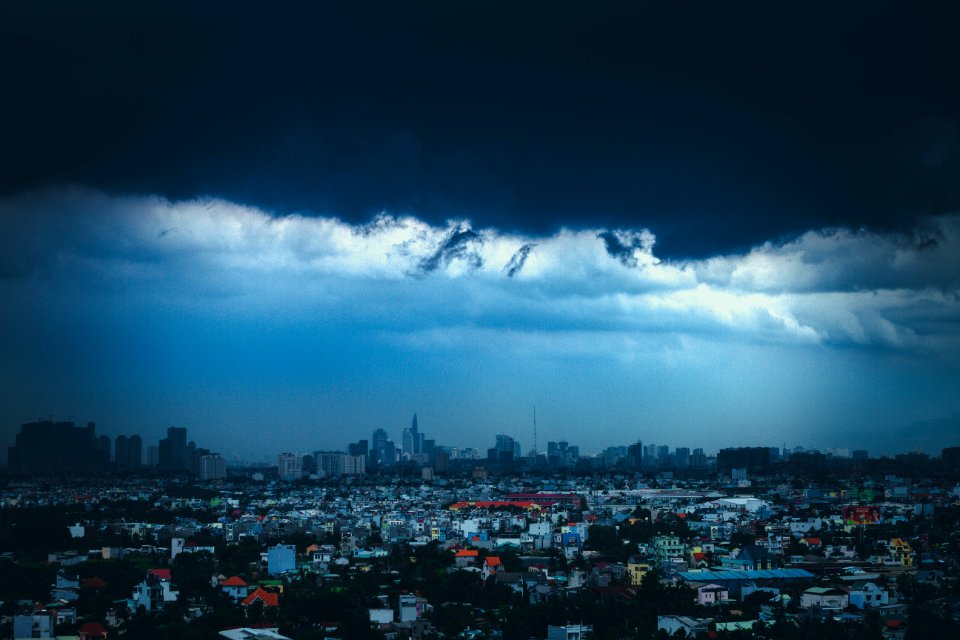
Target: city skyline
column 164, row 457
column 302, row 224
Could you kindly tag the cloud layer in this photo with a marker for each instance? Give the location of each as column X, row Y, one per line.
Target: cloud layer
column 139, row 312
column 829, row 287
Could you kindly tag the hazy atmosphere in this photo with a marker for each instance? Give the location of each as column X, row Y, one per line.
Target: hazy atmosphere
column 284, row 230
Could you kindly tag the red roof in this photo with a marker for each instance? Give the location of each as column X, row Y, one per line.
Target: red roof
column 96, row 582
column 233, row 581
column 92, row 630
column 496, row 504
column 493, row 561
column 267, row 598
column 467, row 553
column 163, row 574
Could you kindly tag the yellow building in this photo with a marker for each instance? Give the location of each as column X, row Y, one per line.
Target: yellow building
column 637, row 570
column 900, row 552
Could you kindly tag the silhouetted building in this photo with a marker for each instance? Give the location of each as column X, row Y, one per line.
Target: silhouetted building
column 173, row 451
column 128, row 453
column 194, row 455
column 753, row 459
column 950, row 457
column 361, row 448
column 383, row 452
column 46, row 446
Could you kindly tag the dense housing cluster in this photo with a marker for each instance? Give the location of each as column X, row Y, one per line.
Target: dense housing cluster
column 840, row 550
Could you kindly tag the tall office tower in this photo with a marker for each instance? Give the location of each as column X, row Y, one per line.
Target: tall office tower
column 682, row 457
column 120, row 451
column 553, row 450
column 389, row 457
column 663, row 455
column 173, row 451
column 412, row 440
column 361, row 448
column 134, row 452
column 101, row 450
column 650, row 455
column 635, row 455
column 289, row 467
column 382, row 450
column 127, row 452
column 506, row 450
column 417, row 436
column 698, row 459
column 426, row 451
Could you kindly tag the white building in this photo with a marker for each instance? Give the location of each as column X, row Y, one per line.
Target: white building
column 289, row 467
column 213, row 467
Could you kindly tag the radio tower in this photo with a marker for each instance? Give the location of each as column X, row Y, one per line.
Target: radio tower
column 534, row 431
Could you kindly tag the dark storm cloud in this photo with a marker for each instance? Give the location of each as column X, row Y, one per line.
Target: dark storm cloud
column 718, row 128
column 518, row 259
column 457, row 245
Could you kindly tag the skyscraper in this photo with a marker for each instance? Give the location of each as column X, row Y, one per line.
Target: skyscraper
column 173, row 451
column 289, row 467
column 128, row 453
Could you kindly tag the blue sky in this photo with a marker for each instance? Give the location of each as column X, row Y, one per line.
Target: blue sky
column 261, row 332
column 284, row 226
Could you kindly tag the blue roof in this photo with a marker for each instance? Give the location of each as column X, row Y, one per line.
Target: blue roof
column 761, row 574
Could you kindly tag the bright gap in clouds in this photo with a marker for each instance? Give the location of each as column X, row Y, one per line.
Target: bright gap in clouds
column 328, row 329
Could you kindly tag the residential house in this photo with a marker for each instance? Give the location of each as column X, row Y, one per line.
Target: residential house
column 491, row 566
column 281, row 559
column 824, row 598
column 710, row 594
column 38, row 624
column 636, row 571
column 465, row 557
column 235, row 587
column 866, row 595
column 155, row 591
column 690, row 626
column 899, row 553
column 267, row 598
column 569, row 632
column 667, row 548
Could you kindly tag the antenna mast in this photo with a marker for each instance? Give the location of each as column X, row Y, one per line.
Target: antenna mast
column 534, row 431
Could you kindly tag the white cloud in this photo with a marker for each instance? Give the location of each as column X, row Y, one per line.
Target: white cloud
column 831, row 286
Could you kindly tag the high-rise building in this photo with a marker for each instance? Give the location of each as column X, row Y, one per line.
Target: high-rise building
column 289, row 467
column 128, row 453
column 173, row 451
column 213, row 467
column 663, row 455
column 337, row 463
column 361, row 448
column 753, row 459
column 635, row 455
column 682, row 457
column 383, row 451
column 698, row 459
column 46, row 446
